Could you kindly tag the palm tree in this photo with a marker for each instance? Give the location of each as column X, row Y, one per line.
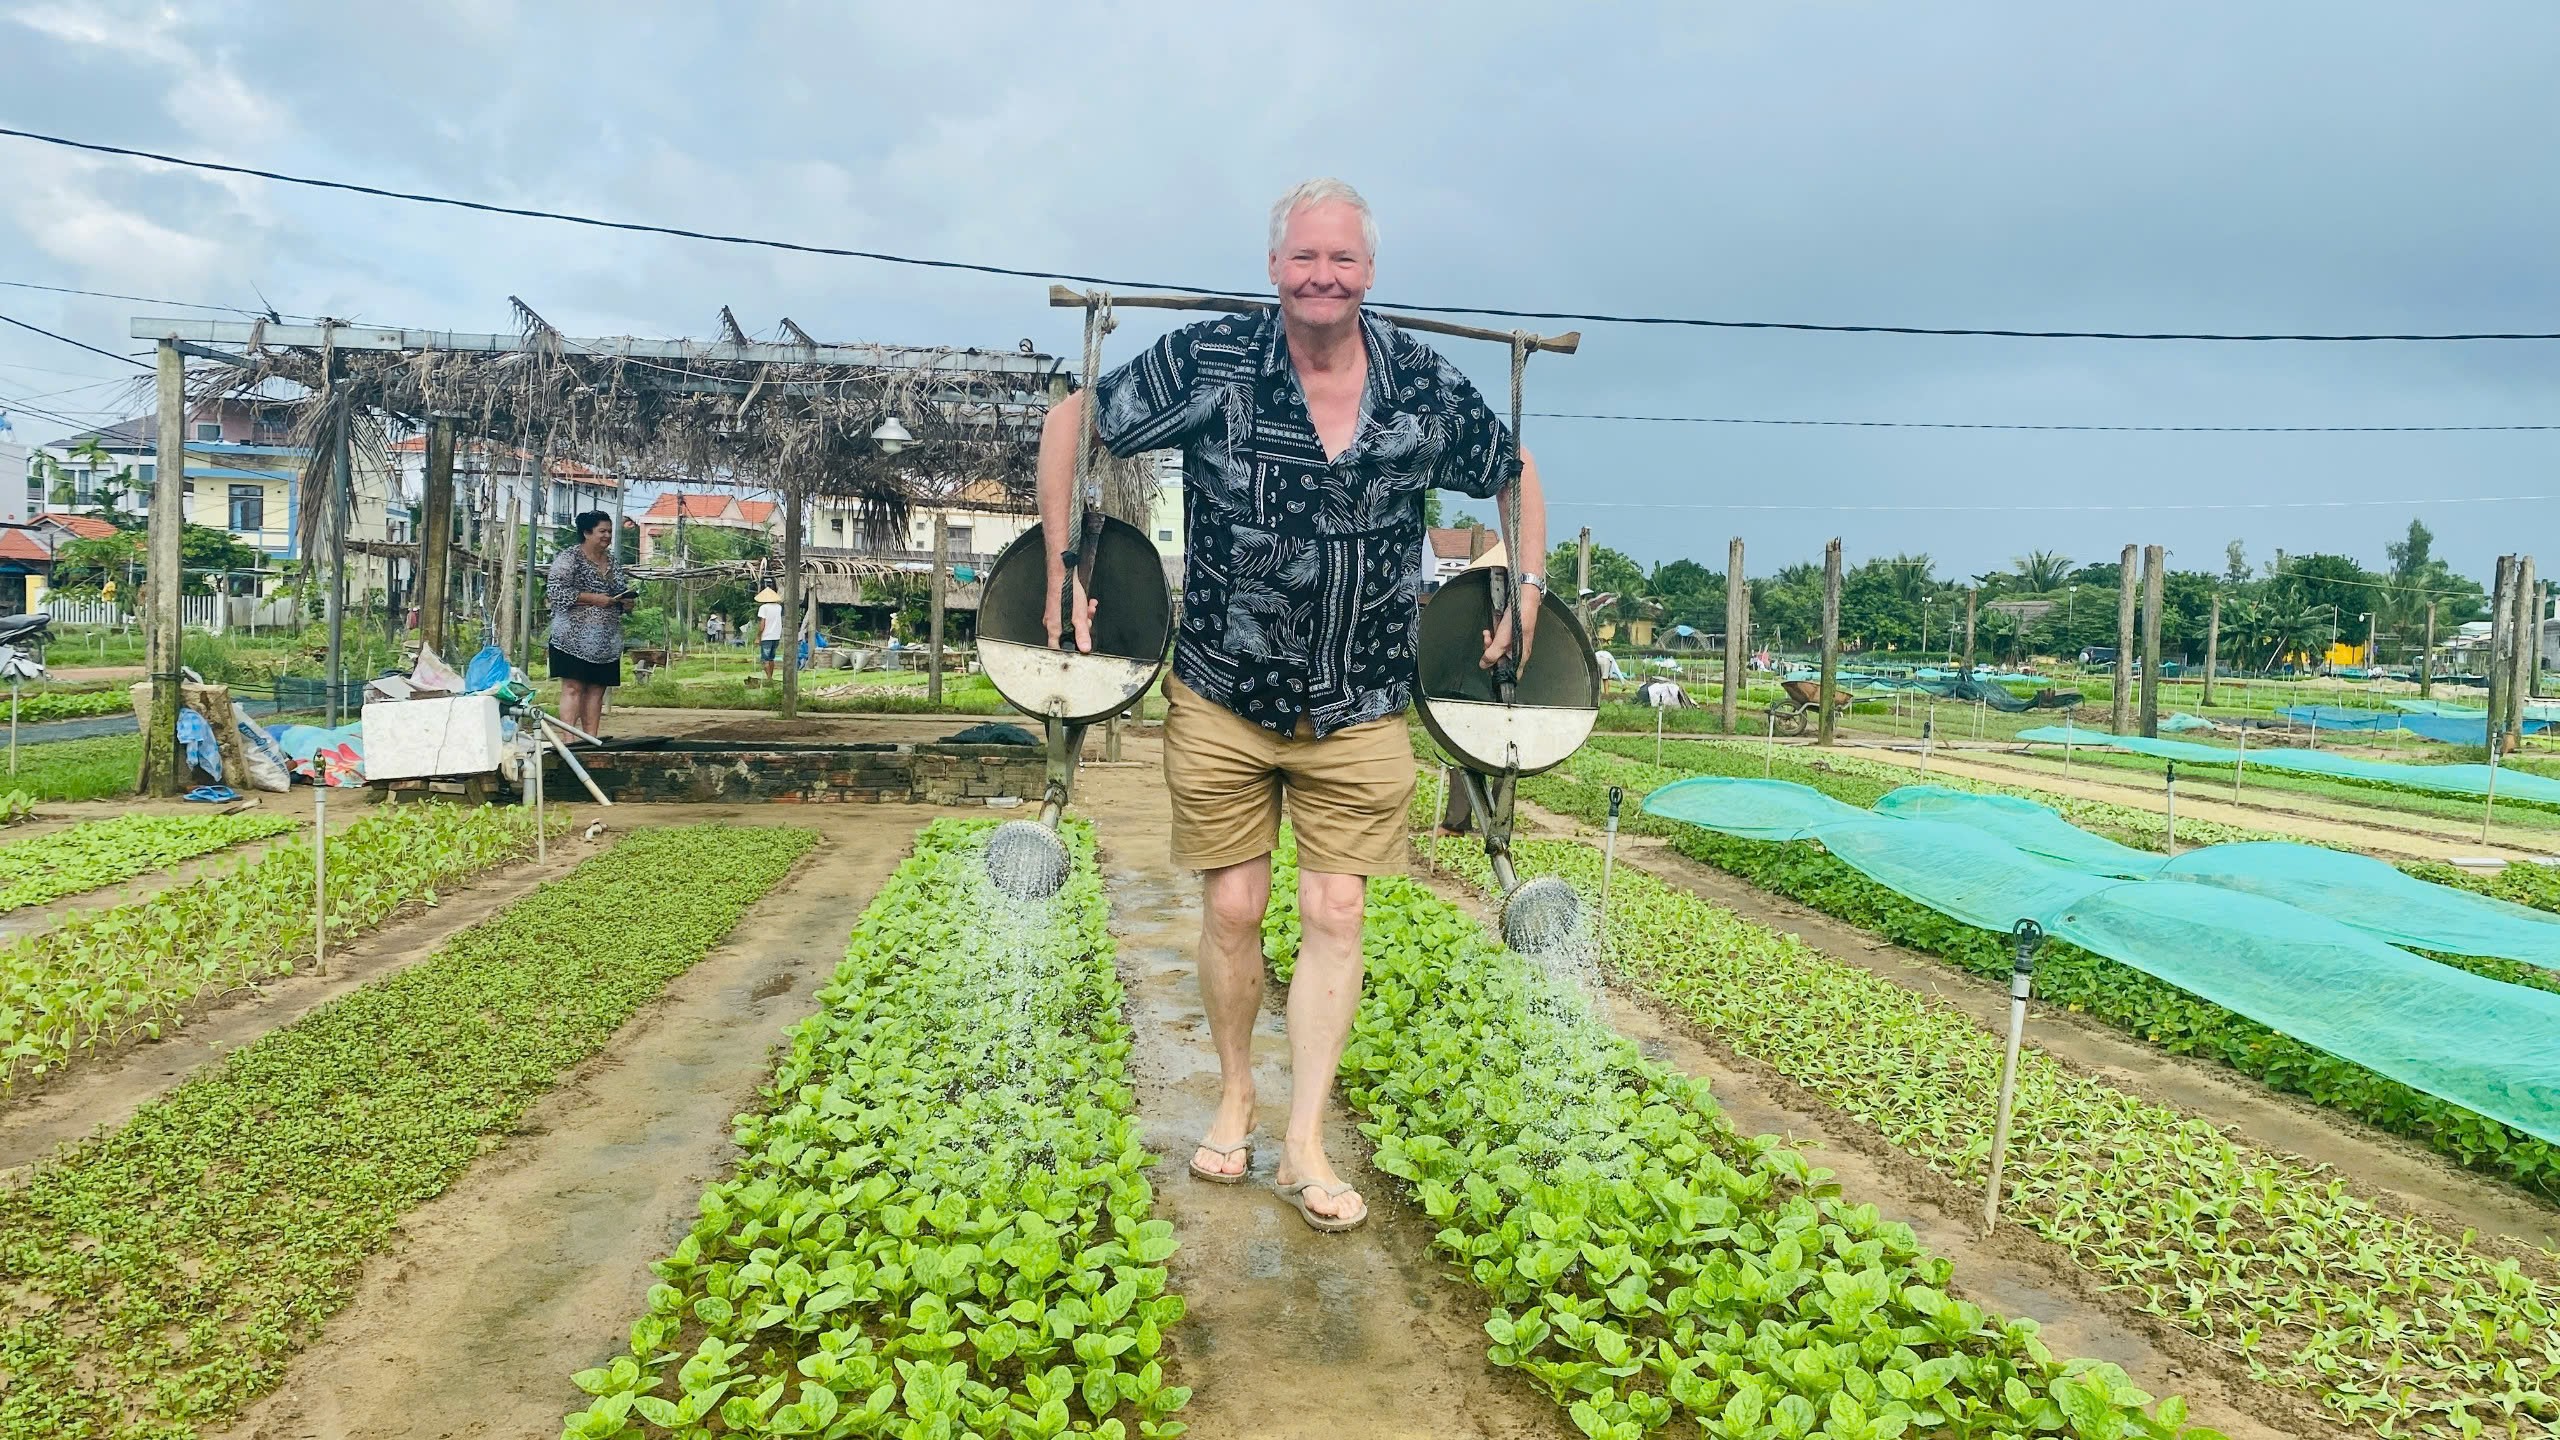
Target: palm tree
column 2041, row 572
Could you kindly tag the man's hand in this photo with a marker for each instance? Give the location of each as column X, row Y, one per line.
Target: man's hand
column 1085, row 607
column 1497, row 641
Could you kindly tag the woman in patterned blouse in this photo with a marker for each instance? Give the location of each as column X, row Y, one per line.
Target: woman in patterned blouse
column 588, row 601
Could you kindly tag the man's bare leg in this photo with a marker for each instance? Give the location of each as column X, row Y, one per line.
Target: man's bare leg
column 1233, row 899
column 1324, row 998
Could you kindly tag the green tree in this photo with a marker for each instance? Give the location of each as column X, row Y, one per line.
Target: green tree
column 206, row 554
column 2235, row 564
column 2040, row 572
column 1690, row 594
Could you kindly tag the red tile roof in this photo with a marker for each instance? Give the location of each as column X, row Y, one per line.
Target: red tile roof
column 17, row 544
column 87, row 527
column 758, row 511
column 1458, row 542
column 695, row 507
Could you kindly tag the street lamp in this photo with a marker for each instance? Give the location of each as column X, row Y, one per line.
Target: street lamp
column 892, row 436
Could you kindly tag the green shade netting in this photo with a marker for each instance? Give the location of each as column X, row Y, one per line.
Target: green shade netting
column 2434, row 779
column 2184, row 721
column 2440, row 707
column 2356, row 890
column 2488, row 1046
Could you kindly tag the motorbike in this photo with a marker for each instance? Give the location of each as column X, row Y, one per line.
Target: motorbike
column 26, row 633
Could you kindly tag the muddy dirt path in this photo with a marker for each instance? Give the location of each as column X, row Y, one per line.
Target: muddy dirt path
column 1288, row 1334
column 533, row 1265
column 2385, row 1167
column 2385, row 833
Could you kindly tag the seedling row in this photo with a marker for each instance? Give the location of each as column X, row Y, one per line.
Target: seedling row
column 162, row 1273
column 941, row 1222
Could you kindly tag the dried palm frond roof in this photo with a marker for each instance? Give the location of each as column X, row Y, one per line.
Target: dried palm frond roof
column 800, row 428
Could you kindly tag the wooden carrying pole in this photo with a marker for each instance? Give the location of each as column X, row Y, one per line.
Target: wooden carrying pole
column 2121, row 710
column 1061, row 297
column 1737, row 625
column 1823, row 707
column 163, row 767
column 2154, row 562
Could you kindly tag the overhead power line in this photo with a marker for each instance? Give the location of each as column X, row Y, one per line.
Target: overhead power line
column 137, row 299
column 2004, row 425
column 888, row 258
column 76, row 344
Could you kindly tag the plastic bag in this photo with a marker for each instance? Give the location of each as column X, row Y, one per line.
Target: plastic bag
column 197, row 737
column 488, row 670
column 431, row 673
column 269, row 767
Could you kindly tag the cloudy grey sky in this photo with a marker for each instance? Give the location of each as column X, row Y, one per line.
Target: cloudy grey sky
column 2284, row 165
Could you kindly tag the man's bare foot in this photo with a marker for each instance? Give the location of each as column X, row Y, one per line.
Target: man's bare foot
column 1227, row 1128
column 1297, row 1165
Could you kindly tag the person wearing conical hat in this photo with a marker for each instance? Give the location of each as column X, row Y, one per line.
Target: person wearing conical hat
column 768, row 629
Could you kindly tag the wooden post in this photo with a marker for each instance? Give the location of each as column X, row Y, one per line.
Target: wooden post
column 1972, row 599
column 341, row 488
column 2121, row 711
column 937, row 589
column 2501, row 664
column 164, row 769
column 2212, row 647
column 1582, row 575
column 537, row 505
column 2526, row 637
column 435, row 535
column 791, row 583
column 1830, row 640
column 2154, row 581
column 505, row 616
column 2427, row 656
column 1737, row 638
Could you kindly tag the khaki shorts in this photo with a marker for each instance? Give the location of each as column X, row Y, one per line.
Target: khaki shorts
column 1346, row 793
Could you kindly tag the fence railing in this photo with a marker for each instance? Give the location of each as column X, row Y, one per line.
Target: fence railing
column 216, row 613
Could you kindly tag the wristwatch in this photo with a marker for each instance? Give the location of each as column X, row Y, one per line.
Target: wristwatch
column 1532, row 577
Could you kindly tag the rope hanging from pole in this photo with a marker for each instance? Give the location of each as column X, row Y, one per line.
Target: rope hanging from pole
column 1509, row 596
column 1098, row 322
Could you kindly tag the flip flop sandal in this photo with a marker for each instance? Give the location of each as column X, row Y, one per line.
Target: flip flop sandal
column 1295, row 1192
column 1214, row 1177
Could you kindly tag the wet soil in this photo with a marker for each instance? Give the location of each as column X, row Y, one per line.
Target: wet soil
column 2394, row 1172
column 533, row 1265
column 1287, row 1333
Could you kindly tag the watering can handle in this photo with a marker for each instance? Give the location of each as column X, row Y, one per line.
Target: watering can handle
column 1086, row 546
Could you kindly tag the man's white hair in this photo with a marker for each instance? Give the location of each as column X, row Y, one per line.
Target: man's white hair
column 1324, row 191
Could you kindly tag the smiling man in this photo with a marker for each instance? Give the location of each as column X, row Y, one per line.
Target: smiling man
column 1310, row 434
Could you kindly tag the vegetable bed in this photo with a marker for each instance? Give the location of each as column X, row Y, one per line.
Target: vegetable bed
column 2071, row 977
column 105, row 976
column 1692, row 1280
column 2380, row 1318
column 940, row 1224
column 37, row 706
column 106, row 767
column 98, row 853
column 161, row 1274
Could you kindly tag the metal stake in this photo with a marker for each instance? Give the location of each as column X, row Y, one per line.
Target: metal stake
column 319, row 863
column 13, row 727
column 1769, row 757
column 2239, row 763
column 1608, row 862
column 2489, row 802
column 2172, row 831
column 2028, row 935
column 1657, row 732
column 541, row 838
column 1439, row 812
column 1928, row 729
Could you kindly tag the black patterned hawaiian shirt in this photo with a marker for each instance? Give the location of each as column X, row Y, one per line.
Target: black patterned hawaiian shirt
column 1304, row 576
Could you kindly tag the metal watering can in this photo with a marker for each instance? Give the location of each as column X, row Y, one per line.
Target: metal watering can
column 1067, row 689
column 1504, row 723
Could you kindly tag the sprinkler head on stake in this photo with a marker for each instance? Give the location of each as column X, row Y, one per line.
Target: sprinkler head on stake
column 1026, row 860
column 1542, row 915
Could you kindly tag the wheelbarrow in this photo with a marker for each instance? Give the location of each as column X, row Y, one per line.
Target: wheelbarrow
column 1065, row 689
column 1506, row 723
column 1804, row 697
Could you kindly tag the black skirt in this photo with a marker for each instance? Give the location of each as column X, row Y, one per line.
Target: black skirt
column 565, row 666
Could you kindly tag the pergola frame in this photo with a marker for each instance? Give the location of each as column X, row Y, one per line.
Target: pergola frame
column 795, row 417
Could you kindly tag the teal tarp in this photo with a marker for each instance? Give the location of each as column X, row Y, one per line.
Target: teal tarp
column 2435, row 779
column 2483, row 1044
